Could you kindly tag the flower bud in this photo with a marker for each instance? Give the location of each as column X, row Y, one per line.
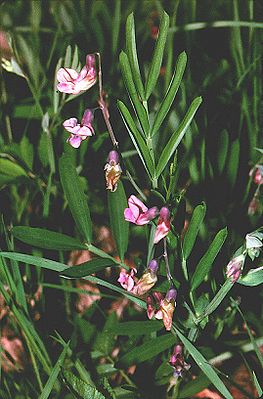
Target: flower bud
column 112, row 171
column 153, row 266
column 165, row 213
column 234, row 268
column 254, row 206
column 171, row 295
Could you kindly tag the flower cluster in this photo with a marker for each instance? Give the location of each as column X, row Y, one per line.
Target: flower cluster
column 139, row 214
column 139, row 287
column 73, row 82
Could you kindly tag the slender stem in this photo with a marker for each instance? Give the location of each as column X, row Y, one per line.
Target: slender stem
column 103, row 106
column 165, row 255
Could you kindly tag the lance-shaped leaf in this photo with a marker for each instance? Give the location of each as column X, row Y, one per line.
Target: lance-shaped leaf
column 147, row 350
column 177, row 136
column 87, row 268
column 223, row 144
column 36, row 261
column 193, row 229
column 81, row 388
column 130, row 86
column 233, row 162
column 54, row 374
column 206, row 262
column 137, row 139
column 75, row 195
column 170, row 94
column 43, row 238
column 157, row 55
column 117, row 202
column 216, row 301
column 132, row 55
column 203, row 364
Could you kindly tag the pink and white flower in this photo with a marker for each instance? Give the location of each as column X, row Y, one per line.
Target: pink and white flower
column 79, row 131
column 163, row 225
column 127, row 280
column 73, row 82
column 138, row 213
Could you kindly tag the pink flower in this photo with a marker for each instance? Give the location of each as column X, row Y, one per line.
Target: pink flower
column 257, row 174
column 165, row 305
column 138, row 213
column 127, row 280
column 79, row 131
column 234, row 268
column 163, row 225
column 177, row 361
column 72, row 82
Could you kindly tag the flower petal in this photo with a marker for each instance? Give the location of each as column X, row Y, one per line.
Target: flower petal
column 66, row 75
column 74, row 140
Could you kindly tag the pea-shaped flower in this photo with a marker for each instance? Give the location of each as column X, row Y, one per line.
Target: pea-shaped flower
column 73, row 82
column 79, row 131
column 163, row 225
column 112, row 171
column 138, row 213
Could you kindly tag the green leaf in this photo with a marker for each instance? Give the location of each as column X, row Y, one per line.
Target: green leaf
column 222, row 150
column 137, row 139
column 132, row 55
column 11, row 169
column 117, row 202
column 147, row 350
column 75, row 195
column 170, row 94
column 54, row 374
column 80, row 387
column 218, row 298
column 193, row 229
column 203, row 364
column 87, row 268
column 206, row 262
column 157, row 55
column 130, row 86
column 43, row 238
column 257, row 385
column 177, row 136
column 253, row 278
column 27, row 152
column 193, row 387
column 233, row 162
column 36, row 261
column 137, row 327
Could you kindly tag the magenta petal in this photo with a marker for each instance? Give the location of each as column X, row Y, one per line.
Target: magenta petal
column 87, row 117
column 74, row 141
column 90, row 61
column 133, row 200
column 66, row 87
column 128, row 215
column 161, row 231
